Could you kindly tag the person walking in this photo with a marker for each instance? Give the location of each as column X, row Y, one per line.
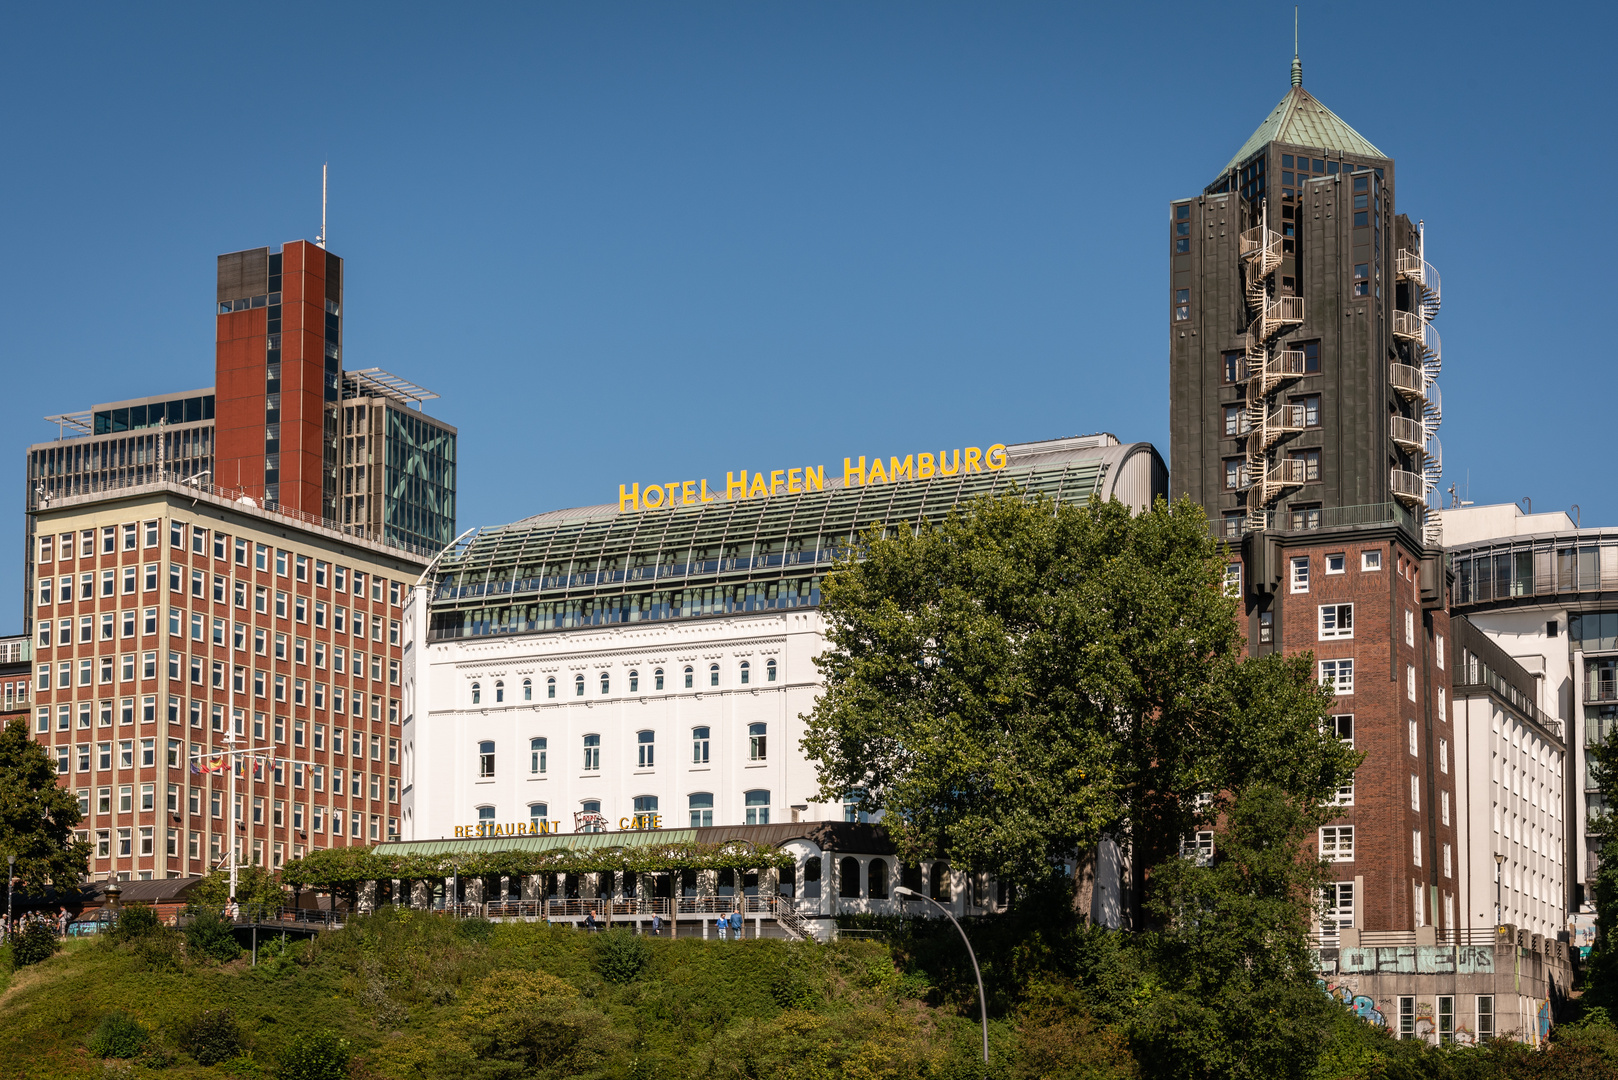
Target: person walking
column 657, row 925
column 736, row 924
column 720, row 923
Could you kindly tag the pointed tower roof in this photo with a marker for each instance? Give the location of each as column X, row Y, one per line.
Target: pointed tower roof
column 1301, row 120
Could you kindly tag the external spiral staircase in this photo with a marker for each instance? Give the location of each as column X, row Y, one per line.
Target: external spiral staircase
column 1417, row 383
column 1265, row 368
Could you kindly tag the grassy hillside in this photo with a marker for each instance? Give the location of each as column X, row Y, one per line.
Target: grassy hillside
column 414, row 995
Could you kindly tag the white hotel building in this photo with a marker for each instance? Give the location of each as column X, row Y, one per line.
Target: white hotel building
column 622, row 662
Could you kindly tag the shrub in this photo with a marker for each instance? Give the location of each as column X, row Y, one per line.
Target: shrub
column 159, row 951
column 479, row 930
column 213, row 1036
column 118, row 1036
column 209, row 935
column 135, row 921
column 321, row 1055
column 621, row 955
column 37, row 942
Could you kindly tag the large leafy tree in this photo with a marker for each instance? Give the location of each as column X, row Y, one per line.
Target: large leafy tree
column 1029, row 676
column 1601, row 975
column 37, row 816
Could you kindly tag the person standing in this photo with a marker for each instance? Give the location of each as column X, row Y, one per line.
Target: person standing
column 736, row 924
column 657, row 925
column 720, row 923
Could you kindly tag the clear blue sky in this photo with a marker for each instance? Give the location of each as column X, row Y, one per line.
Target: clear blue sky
column 646, row 242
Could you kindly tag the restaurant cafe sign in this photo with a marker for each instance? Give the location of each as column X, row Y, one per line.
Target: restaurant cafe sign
column 764, row 484
column 583, row 822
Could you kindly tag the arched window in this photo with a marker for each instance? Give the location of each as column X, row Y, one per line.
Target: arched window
column 591, row 806
column 688, row 675
column 726, row 884
column 499, row 691
column 647, row 743
column 606, row 682
column 811, row 878
column 747, row 672
column 788, row 885
column 658, row 675
column 578, row 685
column 938, row 889
column 536, row 756
column 645, row 811
column 877, row 883
column 592, row 753
column 757, row 744
column 699, row 746
column 634, row 681
column 528, row 689
column 848, row 878
column 537, row 813
column 769, row 671
column 910, row 878
column 550, row 686
column 701, row 804
column 485, row 760
column 713, row 674
column 477, row 693
column 758, row 807
column 485, row 815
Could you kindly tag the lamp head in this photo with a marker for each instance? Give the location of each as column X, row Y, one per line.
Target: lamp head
column 900, row 890
column 1499, row 857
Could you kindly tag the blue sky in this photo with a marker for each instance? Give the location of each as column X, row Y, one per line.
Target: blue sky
column 641, row 242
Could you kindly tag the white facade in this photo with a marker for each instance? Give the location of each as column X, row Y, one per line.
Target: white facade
column 750, row 677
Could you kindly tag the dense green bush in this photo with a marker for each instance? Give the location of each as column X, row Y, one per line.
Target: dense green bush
column 621, row 955
column 37, row 942
column 209, row 935
column 319, row 1055
column 135, row 921
column 213, row 1036
column 118, row 1036
column 475, row 929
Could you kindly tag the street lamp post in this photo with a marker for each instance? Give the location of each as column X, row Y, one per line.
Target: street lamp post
column 983, row 1003
column 1499, row 875
column 11, row 872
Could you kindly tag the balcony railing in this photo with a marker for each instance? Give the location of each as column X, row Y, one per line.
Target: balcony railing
column 1411, row 434
column 1406, row 485
column 1407, row 325
column 1284, row 309
column 1408, row 380
column 1287, row 472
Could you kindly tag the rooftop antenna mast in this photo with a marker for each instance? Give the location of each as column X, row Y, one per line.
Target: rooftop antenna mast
column 1297, row 65
column 320, row 241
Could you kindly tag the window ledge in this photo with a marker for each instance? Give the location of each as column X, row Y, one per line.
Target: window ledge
column 756, row 765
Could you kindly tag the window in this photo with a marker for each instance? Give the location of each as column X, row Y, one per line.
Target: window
column 756, row 744
column 699, row 746
column 1415, row 793
column 1235, row 473
column 592, row 806
column 537, row 813
column 701, row 805
column 1335, row 563
column 536, row 756
column 658, row 679
column 746, row 672
column 1415, row 846
column 713, row 674
column 606, row 682
column 1443, row 755
column 485, row 760
column 1233, row 579
column 1235, row 420
column 550, row 687
column 592, row 752
column 1485, row 1029
column 1447, row 869
column 647, row 744
column 1410, row 627
column 758, row 805
column 1413, row 743
column 634, row 681
column 854, row 806
column 1337, row 843
column 1339, row 675
column 1308, row 469
column 1438, row 641
column 1410, row 681
column 1337, row 910
column 688, row 676
column 1182, row 298
column 1370, row 560
column 1234, row 366
column 527, row 684
column 578, row 686
column 477, row 688
column 499, row 685
column 1300, row 574
column 1443, row 803
column 1336, row 621
column 769, row 671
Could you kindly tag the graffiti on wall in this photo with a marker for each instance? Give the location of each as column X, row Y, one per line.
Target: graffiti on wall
column 1359, row 1004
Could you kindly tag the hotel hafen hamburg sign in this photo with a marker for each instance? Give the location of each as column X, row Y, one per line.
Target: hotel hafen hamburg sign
column 762, row 485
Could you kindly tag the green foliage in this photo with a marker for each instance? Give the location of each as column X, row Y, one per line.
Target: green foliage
column 209, row 935
column 1601, row 973
column 36, row 943
column 480, row 930
column 135, row 921
column 318, row 1055
column 215, row 1036
column 621, row 955
column 526, row 1016
column 256, row 889
column 1028, row 677
column 118, row 1036
column 38, row 815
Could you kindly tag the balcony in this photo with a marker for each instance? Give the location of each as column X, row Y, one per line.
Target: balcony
column 1407, row 486
column 1284, row 310
column 1408, row 326
column 1413, row 268
column 1286, row 473
column 1409, row 381
column 1272, row 370
column 1410, row 434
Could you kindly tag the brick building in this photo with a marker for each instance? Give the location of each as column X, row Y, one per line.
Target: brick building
column 215, row 582
column 16, row 677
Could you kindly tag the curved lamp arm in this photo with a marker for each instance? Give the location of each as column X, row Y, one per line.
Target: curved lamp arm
column 983, row 1005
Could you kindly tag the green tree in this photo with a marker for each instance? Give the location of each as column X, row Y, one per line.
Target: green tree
column 37, row 816
column 256, row 888
column 1601, row 974
column 1028, row 677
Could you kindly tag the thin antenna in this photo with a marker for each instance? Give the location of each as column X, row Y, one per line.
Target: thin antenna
column 320, row 241
column 1297, row 65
